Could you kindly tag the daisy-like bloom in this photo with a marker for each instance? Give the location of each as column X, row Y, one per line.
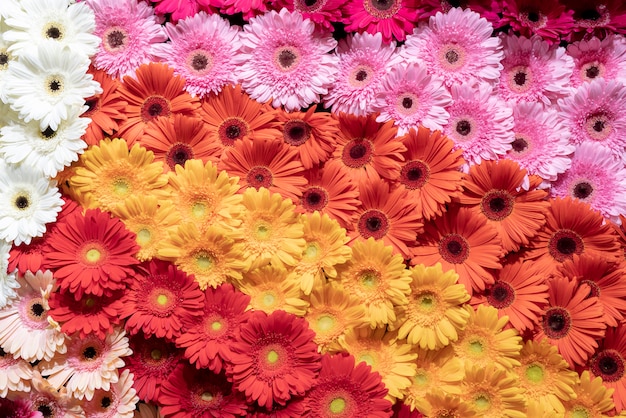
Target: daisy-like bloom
column 18, row 408
column 271, row 230
column 364, row 60
column 394, row 20
column 595, row 58
column 609, row 363
column 322, row 12
column 541, row 143
column 548, row 19
column 15, row 374
column 177, row 10
column 445, row 405
column 117, row 402
column 156, row 92
column 160, row 300
column 457, row 47
column 51, row 402
column 273, row 165
column 90, row 363
column 283, row 59
column 411, row 97
column 595, row 177
column 368, row 149
column 592, row 398
column 274, row 358
column 108, row 173
column 435, row 313
column 593, row 114
column 312, row 134
column 106, row 110
column 91, row 253
column 572, row 321
column 211, row 255
column 378, row 278
column 345, row 389
column 208, row 339
column 572, row 228
column 598, row 18
column 493, row 392
column 495, row 189
column 199, row 393
column 129, row 30
column 485, row 341
column 202, row 50
column 28, row 202
column 463, row 241
column 430, row 172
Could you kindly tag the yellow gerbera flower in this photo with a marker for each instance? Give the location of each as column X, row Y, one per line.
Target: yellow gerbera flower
column 325, row 247
column 378, row 278
column 492, row 392
column 592, row 398
column 435, row 313
column 536, row 409
column 448, row 406
column 108, row 173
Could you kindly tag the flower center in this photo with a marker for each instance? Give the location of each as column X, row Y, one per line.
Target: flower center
column 463, row 127
column 520, row 79
column 259, row 177
column 45, row 410
column 309, row 6
column 519, row 145
column 231, row 130
column 114, row 39
column 93, row 255
column 609, row 365
column 534, row 373
column 312, row 251
column 591, row 70
column 369, row 279
column 556, row 323
column 4, row 59
column 454, row 248
column 426, row 301
column 407, row 104
column 90, row 353
column 357, row 153
column 22, row 202
column 414, row 174
column 286, row 58
column 121, row 187
column 373, row 223
column 325, row 323
column 564, row 243
column 314, row 198
column 595, row 17
column 198, row 210
column 105, row 402
column 153, row 107
column 263, row 231
column 582, row 190
column 48, row 133
column 598, row 126
column 269, row 299
column 482, row 402
column 54, row 85
column 37, row 309
column 156, row 354
column 476, row 347
column 204, row 261
column 337, row 405
column 53, row 31
column 144, row 237
column 178, row 154
column 207, row 396
column 216, row 325
column 162, row 299
column 296, row 132
column 200, row 61
column 382, row 9
column 272, row 357
column 361, row 76
column 501, row 295
column 497, row 204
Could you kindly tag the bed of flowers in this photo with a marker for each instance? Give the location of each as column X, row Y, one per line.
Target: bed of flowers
column 312, row 208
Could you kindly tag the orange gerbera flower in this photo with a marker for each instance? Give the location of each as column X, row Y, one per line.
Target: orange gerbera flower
column 495, row 190
column 609, row 363
column 572, row 227
column 155, row 92
column 270, row 164
column 463, row 241
column 178, row 139
column 368, row 149
column 311, row 133
column 430, row 172
column 106, row 110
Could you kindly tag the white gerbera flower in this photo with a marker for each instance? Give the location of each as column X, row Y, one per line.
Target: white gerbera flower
column 6, row 57
column 7, row 7
column 45, row 86
column 47, row 151
column 27, row 203
column 8, row 281
column 52, row 21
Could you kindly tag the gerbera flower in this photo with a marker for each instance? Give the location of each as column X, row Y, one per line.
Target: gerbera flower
column 52, row 402
column 430, row 172
column 117, row 402
column 282, row 58
column 393, row 19
column 156, row 92
column 160, row 300
column 16, row 374
column 129, row 30
column 91, row 253
column 293, row 408
column 548, row 19
column 28, row 202
column 377, row 277
column 199, row 393
column 435, row 313
column 176, row 10
column 609, row 362
column 541, row 143
column 202, row 50
column 364, row 60
column 595, row 58
column 273, row 358
column 344, row 389
column 445, row 405
column 18, row 408
column 312, row 134
column 248, row 8
column 457, row 47
column 492, row 392
column 592, row 397
column 463, row 241
column 322, row 12
column 598, row 18
column 208, row 339
column 411, row 97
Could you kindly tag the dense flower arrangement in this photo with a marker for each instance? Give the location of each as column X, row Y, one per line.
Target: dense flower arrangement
column 321, row 208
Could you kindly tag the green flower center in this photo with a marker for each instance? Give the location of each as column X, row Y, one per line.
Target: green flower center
column 337, row 405
column 272, row 357
column 534, row 373
column 325, row 323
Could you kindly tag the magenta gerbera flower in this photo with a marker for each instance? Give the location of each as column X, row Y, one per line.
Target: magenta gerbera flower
column 182, row 9
column 18, row 408
column 391, row 18
column 456, row 46
column 546, row 18
column 598, row 17
column 322, row 12
column 489, row 9
column 201, row 50
column 283, row 59
column 595, row 58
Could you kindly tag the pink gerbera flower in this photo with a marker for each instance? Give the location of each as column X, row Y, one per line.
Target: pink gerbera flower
column 364, row 60
column 201, row 50
column 456, row 46
column 595, row 58
column 533, row 70
column 411, row 97
column 51, row 402
column 18, row 408
column 480, row 123
column 322, row 12
column 283, row 60
column 129, row 30
column 392, row 18
column 546, row 18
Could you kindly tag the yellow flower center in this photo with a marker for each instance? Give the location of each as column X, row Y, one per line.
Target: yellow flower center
column 312, row 251
column 143, row 236
column 198, row 210
column 367, row 358
column 156, row 354
column 476, row 347
column 581, row 412
column 207, row 396
column 162, row 299
column 269, row 299
column 325, row 323
column 204, row 261
column 337, row 405
column 482, row 402
column 421, row 378
column 427, row 302
column 534, row 373
column 369, row 279
column 121, row 187
column 216, row 325
column 272, row 357
column 263, row 231
column 93, row 255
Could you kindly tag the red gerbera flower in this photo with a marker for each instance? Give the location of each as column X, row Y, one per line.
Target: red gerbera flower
column 392, row 18
column 293, row 408
column 161, row 300
column 344, row 390
column 91, row 254
column 274, row 358
column 208, row 338
column 609, row 363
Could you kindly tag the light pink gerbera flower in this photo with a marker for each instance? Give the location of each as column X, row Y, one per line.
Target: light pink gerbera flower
column 533, row 70
column 597, row 58
column 391, row 18
column 117, row 402
column 411, row 97
column 595, row 112
column 595, row 177
column 541, row 143
column 364, row 60
column 456, row 46
column 201, row 50
column 480, row 123
column 128, row 30
column 282, row 59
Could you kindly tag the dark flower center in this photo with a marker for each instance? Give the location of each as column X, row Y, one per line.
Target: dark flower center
column 115, row 38
column 314, row 198
column 454, row 248
column 361, row 75
column 231, row 129
column 598, row 126
column 48, row 133
column 373, row 223
column 296, row 132
column 592, row 72
column 89, row 353
column 519, row 144
column 153, row 107
column 608, row 364
column 259, row 177
column 463, row 127
column 501, row 295
column 105, row 402
column 358, row 151
column 178, row 154
column 564, row 243
column 497, row 204
column 452, row 56
column 55, row 85
column 37, row 309
column 556, row 323
column 53, row 32
column 414, row 174
column 407, row 103
column 590, row 14
column 582, row 190
column 4, row 58
column 383, row 5
column 286, row 58
column 533, row 17
column 21, row 202
column 520, row 78
column 199, row 62
column 45, row 410
column 310, row 3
